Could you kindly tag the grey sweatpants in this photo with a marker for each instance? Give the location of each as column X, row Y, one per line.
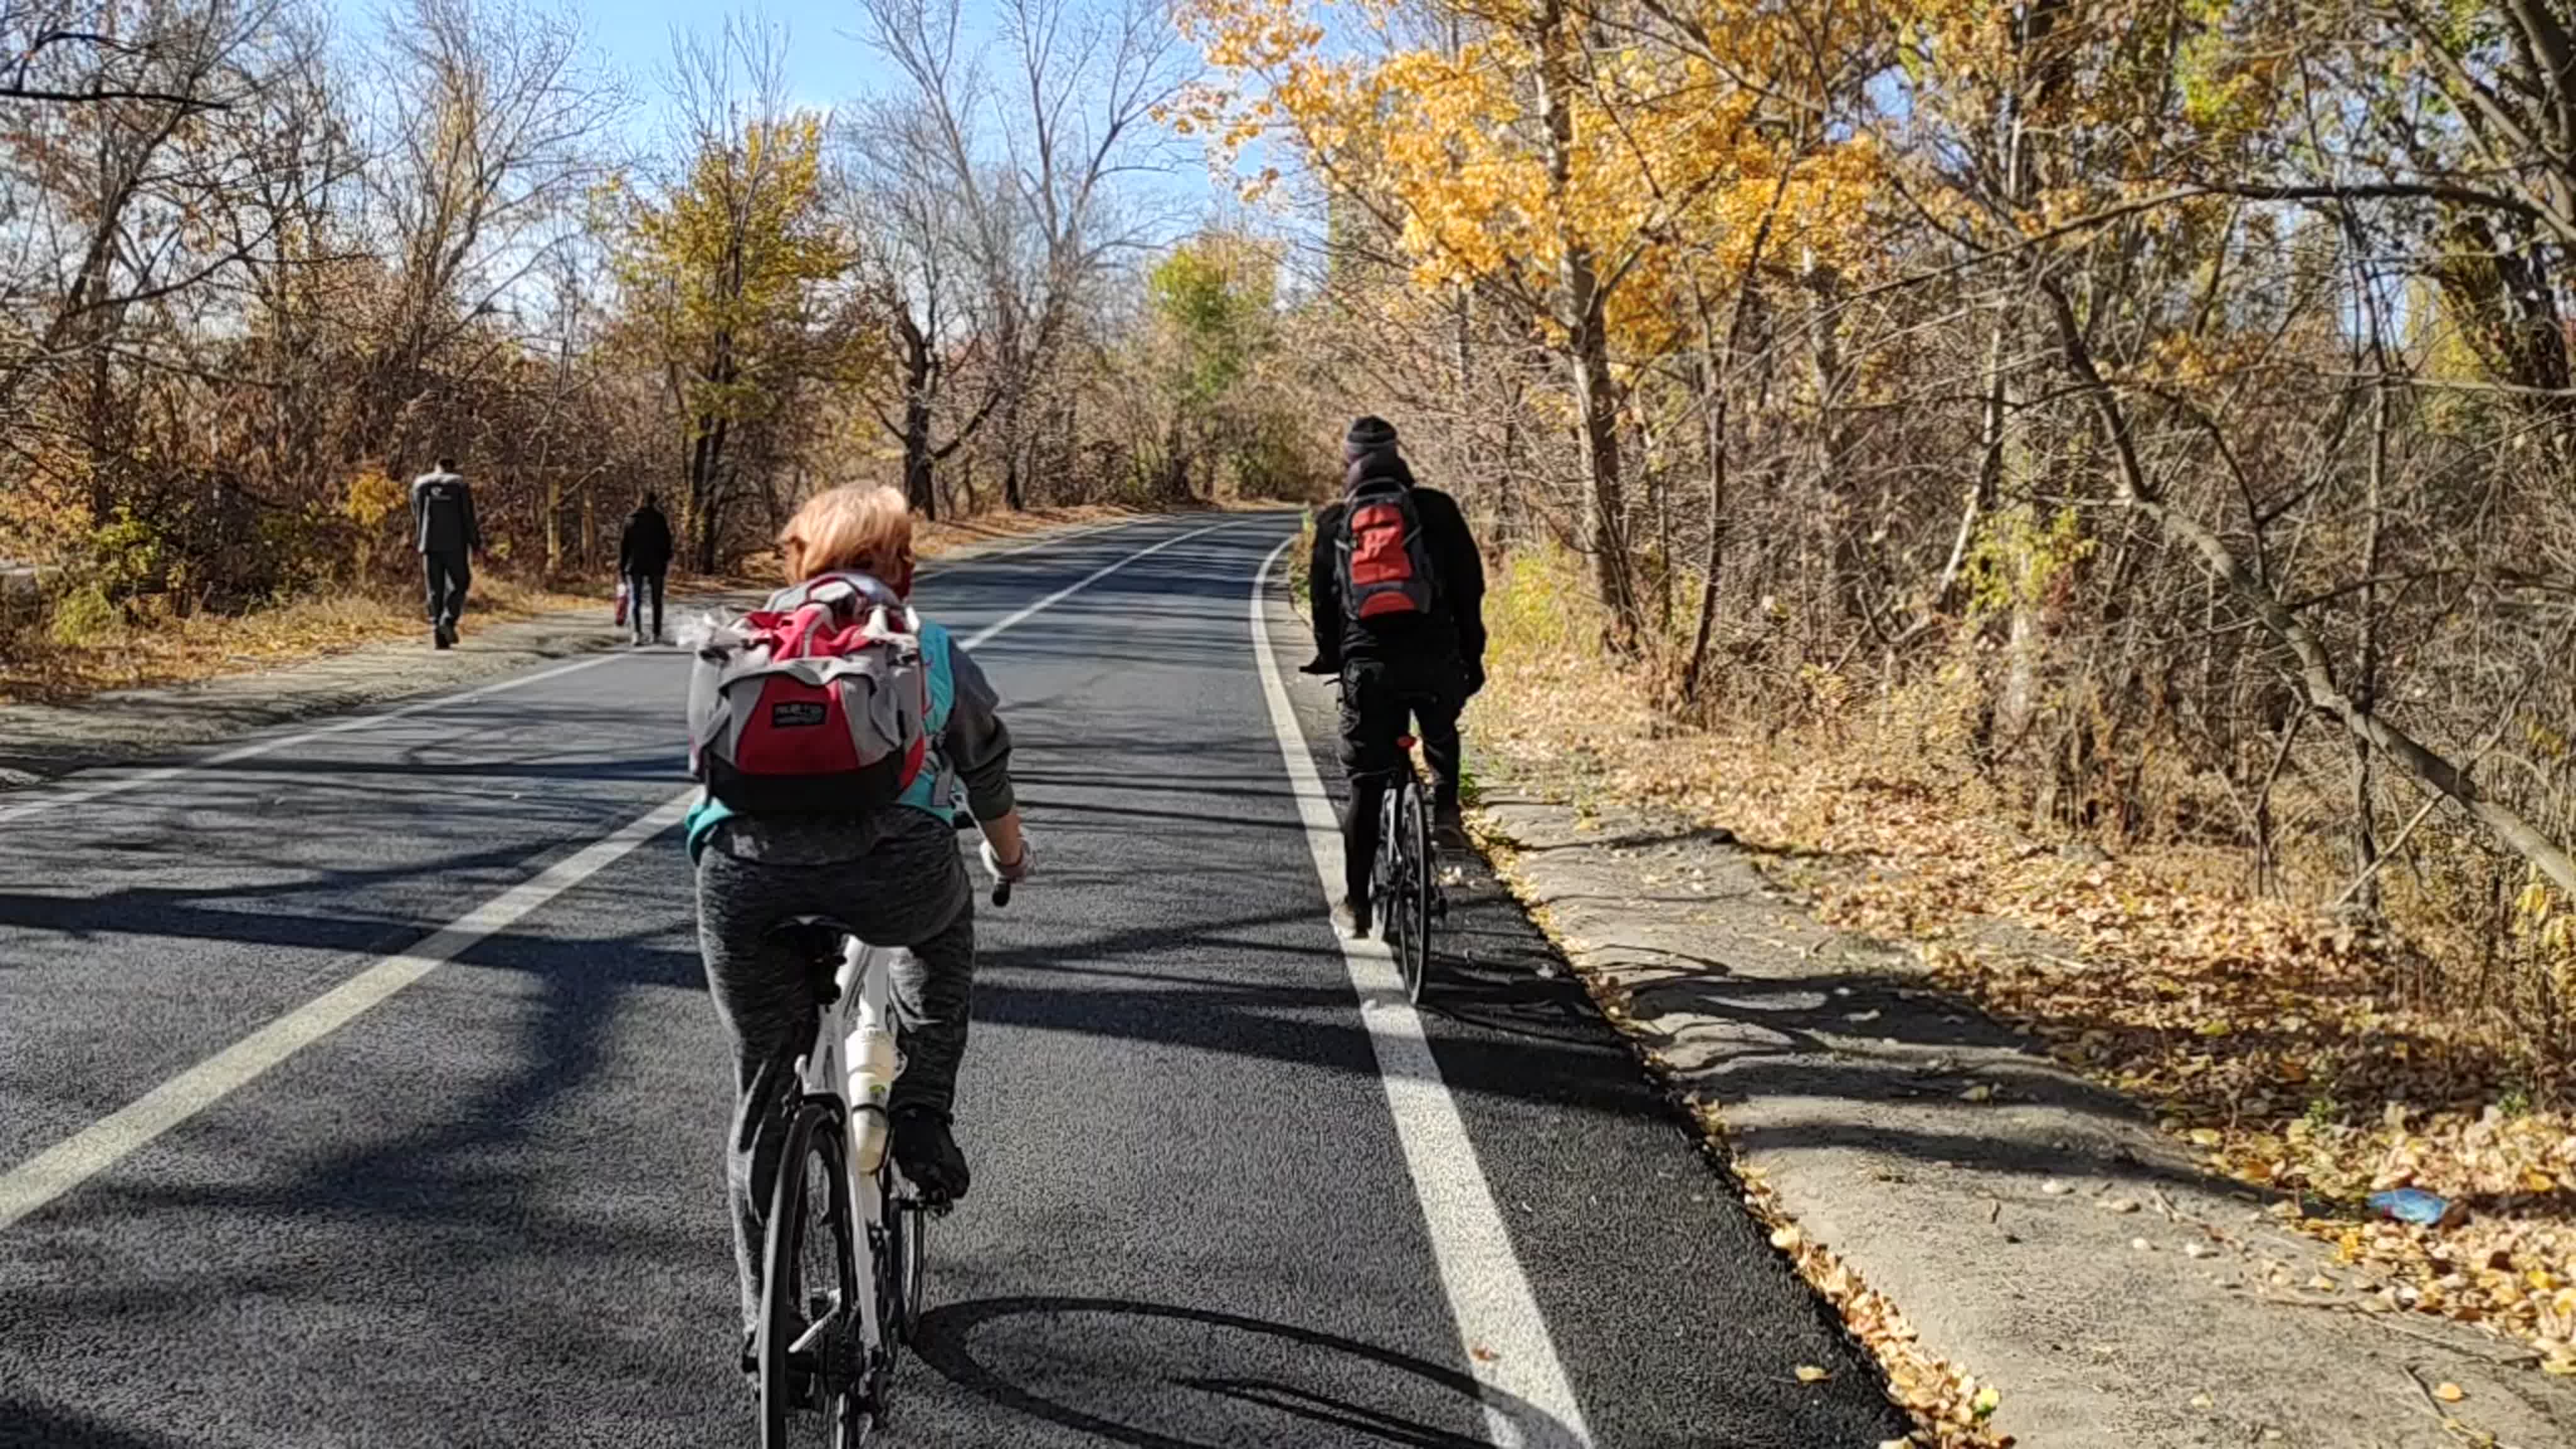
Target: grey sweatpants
column 900, row 883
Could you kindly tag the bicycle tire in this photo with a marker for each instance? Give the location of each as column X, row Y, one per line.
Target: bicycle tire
column 1412, row 903
column 820, row 1400
column 906, row 1265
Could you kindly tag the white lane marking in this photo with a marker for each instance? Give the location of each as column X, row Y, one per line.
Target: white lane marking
column 101, row 1145
column 68, row 1164
column 118, row 785
column 1529, row 1403
column 1086, row 581
column 81, row 794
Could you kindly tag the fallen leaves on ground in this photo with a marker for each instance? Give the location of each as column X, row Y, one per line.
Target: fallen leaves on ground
column 170, row 650
column 204, row 646
column 2268, row 1039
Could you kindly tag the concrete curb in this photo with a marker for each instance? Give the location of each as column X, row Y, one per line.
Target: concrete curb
column 2035, row 1229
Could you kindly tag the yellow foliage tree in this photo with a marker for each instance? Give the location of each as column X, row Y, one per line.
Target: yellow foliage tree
column 729, row 269
column 1606, row 187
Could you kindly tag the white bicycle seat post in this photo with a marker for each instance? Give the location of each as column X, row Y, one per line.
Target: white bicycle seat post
column 867, row 985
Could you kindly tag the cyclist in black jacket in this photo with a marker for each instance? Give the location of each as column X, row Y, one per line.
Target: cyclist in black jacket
column 1416, row 663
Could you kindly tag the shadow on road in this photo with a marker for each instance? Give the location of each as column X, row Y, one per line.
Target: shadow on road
column 1234, row 1401
column 29, row 1424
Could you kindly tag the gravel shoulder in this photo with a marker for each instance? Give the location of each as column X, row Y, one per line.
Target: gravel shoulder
column 2036, row 1230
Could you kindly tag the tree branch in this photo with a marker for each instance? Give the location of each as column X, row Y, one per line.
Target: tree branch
column 2315, row 669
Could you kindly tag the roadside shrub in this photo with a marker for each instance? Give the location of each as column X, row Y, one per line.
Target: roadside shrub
column 84, row 617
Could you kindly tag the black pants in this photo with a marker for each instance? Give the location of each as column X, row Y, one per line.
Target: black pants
column 1378, row 698
column 446, row 573
column 636, row 585
column 909, row 889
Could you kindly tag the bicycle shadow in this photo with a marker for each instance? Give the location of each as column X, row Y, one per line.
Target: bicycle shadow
column 1254, row 1403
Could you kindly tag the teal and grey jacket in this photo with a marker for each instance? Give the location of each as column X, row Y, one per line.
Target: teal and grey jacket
column 969, row 746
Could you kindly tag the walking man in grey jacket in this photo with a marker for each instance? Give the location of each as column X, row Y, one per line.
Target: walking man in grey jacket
column 444, row 532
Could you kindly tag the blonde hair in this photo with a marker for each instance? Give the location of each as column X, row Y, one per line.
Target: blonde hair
column 868, row 529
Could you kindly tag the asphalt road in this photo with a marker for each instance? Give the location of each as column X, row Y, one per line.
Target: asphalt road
column 293, row 1165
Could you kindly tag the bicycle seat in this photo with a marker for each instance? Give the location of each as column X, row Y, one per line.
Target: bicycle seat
column 815, row 941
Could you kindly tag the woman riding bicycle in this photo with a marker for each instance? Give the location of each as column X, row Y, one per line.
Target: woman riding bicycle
column 892, row 876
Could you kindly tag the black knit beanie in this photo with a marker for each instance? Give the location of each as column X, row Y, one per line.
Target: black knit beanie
column 1368, row 435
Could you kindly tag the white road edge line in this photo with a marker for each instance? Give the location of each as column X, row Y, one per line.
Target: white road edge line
column 119, row 784
column 101, row 1145
column 1529, row 1402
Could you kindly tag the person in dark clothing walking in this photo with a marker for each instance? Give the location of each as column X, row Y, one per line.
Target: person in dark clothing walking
column 444, row 533
column 643, row 559
column 1403, row 645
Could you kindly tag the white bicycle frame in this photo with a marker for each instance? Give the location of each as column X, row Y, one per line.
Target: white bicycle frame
column 835, row 1067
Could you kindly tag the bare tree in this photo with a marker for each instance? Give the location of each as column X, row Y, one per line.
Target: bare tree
column 490, row 126
column 1004, row 182
column 112, row 164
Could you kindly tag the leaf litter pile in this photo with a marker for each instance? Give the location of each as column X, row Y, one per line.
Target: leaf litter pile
column 2264, row 1037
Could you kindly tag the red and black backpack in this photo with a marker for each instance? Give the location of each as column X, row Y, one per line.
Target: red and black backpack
column 1386, row 569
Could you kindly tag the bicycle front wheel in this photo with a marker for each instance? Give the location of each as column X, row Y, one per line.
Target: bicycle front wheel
column 1411, row 903
column 904, row 1268
column 808, row 1341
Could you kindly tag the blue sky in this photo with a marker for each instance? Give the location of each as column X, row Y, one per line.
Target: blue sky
column 826, row 66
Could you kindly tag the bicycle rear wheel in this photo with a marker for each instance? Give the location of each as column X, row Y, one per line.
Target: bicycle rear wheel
column 808, row 1339
column 1410, row 900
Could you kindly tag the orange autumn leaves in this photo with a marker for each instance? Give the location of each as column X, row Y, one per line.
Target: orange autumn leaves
column 1664, row 163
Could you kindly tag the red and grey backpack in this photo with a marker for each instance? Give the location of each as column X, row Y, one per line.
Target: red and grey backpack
column 1385, row 567
column 816, row 703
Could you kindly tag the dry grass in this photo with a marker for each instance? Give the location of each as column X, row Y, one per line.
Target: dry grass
column 2284, row 1048
column 153, row 651
column 164, row 650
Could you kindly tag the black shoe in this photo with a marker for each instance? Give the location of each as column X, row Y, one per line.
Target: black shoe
column 1357, row 909
column 1449, row 828
column 439, row 638
column 928, row 1154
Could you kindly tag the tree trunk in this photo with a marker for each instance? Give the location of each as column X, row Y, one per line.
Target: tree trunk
column 2365, row 835
column 1587, row 348
column 554, row 525
column 918, row 486
column 706, row 490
